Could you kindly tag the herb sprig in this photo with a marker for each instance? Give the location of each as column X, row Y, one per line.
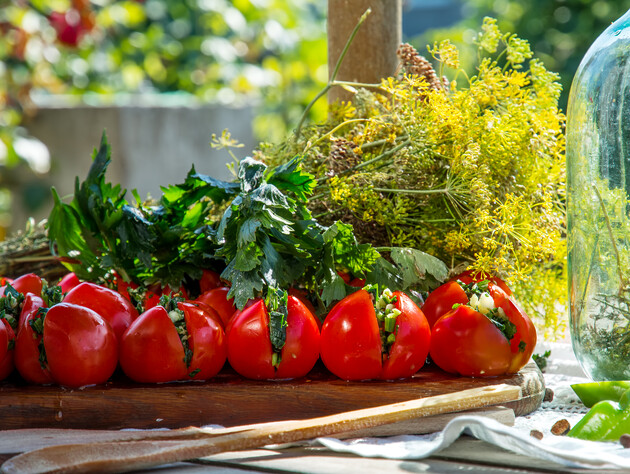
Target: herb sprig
column 257, row 231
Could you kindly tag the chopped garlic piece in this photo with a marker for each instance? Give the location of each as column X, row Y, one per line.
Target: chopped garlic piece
column 486, row 303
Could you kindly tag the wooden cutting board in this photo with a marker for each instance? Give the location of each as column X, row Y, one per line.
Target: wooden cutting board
column 230, row 400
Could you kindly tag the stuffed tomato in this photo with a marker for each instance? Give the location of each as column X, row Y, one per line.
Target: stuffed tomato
column 383, row 338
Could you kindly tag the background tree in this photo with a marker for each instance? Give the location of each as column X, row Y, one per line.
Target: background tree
column 559, row 31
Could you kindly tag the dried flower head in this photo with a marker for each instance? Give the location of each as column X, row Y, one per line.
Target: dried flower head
column 414, row 63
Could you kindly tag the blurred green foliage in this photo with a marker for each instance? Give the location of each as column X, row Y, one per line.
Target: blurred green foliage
column 559, row 31
column 271, row 53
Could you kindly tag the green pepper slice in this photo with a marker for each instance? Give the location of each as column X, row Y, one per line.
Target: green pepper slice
column 592, row 392
column 605, row 421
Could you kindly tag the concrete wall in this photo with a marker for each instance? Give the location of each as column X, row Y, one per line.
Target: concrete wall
column 152, row 145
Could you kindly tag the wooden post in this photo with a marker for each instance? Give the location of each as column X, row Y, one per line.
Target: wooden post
column 372, row 54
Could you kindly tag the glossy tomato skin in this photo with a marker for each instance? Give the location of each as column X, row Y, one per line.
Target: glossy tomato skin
column 217, row 299
column 207, row 341
column 6, row 352
column 26, row 355
column 209, row 312
column 31, row 303
column 109, row 304
column 27, row 283
column 209, row 280
column 249, row 347
column 466, row 342
column 441, row 300
column 524, row 341
column 301, row 350
column 411, row 347
column 302, row 296
column 122, row 287
column 68, row 282
column 150, row 349
column 350, row 341
column 81, row 347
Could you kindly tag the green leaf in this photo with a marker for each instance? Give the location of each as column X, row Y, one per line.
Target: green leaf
column 269, row 195
column 250, row 173
column 246, row 285
column 385, row 275
column 292, row 178
column 334, row 289
column 276, row 303
column 347, row 252
column 416, row 265
column 247, row 258
column 69, row 237
column 247, row 231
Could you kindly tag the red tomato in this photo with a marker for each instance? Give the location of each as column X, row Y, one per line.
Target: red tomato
column 209, row 280
column 357, row 282
column 27, row 344
column 524, row 341
column 352, row 341
column 217, row 300
column 348, row 280
column 7, row 349
column 441, row 300
column 250, row 351
column 122, row 287
column 81, row 347
column 302, row 296
column 68, row 282
column 31, row 304
column 28, row 283
column 155, row 292
column 209, row 312
column 207, row 342
column 152, row 351
column 411, row 346
column 238, row 312
column 466, row 342
column 109, row 304
column 345, row 276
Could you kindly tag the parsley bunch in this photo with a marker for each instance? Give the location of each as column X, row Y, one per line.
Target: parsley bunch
column 257, row 231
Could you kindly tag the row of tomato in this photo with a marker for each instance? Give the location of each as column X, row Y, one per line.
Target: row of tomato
column 78, row 333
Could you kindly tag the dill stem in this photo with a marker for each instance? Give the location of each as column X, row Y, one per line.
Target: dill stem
column 581, row 303
column 381, row 156
column 411, row 220
column 369, row 162
column 412, row 191
column 333, row 76
column 319, row 196
column 326, row 135
column 382, row 141
column 364, row 85
column 612, row 238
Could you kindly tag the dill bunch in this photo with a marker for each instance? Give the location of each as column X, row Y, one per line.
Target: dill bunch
column 471, row 171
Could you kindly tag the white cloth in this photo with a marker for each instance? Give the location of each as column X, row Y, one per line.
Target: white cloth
column 562, row 371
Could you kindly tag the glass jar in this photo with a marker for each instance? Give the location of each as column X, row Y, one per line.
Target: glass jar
column 598, row 205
